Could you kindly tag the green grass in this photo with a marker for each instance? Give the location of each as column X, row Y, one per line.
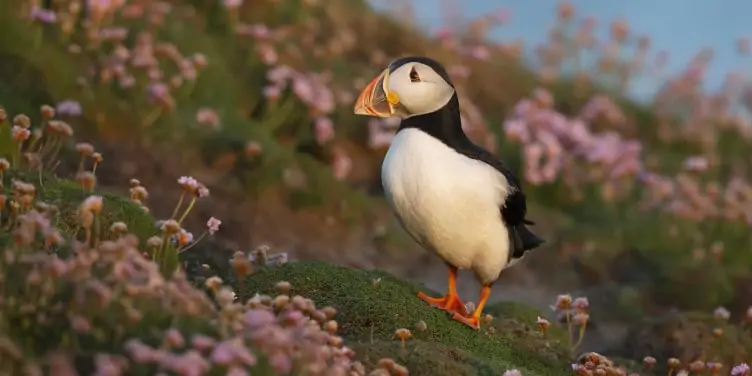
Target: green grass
column 369, row 312
column 68, row 195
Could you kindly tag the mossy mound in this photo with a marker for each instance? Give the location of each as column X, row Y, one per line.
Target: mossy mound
column 372, row 304
column 68, row 195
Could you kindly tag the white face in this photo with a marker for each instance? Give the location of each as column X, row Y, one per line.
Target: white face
column 420, row 89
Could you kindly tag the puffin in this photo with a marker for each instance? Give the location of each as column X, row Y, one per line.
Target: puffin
column 454, row 198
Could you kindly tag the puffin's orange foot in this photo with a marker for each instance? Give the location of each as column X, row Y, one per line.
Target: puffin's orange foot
column 446, row 303
column 471, row 321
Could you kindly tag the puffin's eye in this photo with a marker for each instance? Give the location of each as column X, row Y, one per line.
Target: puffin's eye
column 414, row 77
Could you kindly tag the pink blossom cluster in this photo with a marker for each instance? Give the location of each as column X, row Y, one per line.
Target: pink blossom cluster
column 309, row 88
column 288, row 339
column 555, row 145
column 687, row 196
column 117, row 289
column 159, row 67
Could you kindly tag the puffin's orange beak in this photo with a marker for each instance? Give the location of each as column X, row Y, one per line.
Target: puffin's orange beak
column 375, row 99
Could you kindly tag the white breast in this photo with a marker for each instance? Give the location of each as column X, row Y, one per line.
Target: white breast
column 447, row 202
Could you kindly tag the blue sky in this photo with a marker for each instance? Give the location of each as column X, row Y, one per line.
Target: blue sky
column 681, row 27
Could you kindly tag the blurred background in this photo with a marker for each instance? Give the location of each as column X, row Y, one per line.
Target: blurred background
column 628, row 121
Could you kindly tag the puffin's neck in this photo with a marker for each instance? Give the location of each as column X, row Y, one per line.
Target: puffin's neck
column 443, row 124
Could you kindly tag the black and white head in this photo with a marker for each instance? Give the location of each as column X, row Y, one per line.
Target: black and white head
column 410, row 86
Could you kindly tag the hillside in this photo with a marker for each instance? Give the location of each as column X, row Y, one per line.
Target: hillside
column 645, row 206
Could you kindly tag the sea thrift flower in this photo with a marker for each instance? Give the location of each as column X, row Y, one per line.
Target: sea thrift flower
column 92, row 204
column 208, row 117
column 697, row 164
column 341, row 164
column 563, row 302
column 188, row 183
column 69, row 108
column 649, row 361
column 232, row 4
column 543, row 324
column 184, row 237
column 512, row 372
column 740, row 370
column 580, row 304
column 721, row 313
column 45, row 16
column 213, row 225
column 323, row 130
column 20, row 134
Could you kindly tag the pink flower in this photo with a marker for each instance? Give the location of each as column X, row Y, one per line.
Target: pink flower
column 106, row 365
column 158, row 92
column 213, row 225
column 20, row 134
column 232, row 4
column 443, row 34
column 721, row 313
column 257, row 31
column 282, row 363
column 188, row 183
column 323, row 130
column 341, row 164
column 696, row 164
column 201, row 342
column 174, row 338
column 280, row 74
column 479, row 53
column 69, row 108
column 272, row 92
column 267, row 53
column 581, row 304
column 222, row 354
column 258, row 318
column 208, row 117
column 140, row 352
column 740, row 370
column 303, row 89
column 43, row 15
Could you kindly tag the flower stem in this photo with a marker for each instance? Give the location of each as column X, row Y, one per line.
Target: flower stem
column 177, row 207
column 569, row 327
column 189, row 246
column 581, row 335
column 152, row 117
column 187, row 210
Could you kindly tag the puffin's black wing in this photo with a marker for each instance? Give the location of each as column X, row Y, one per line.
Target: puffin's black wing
column 514, row 210
column 515, row 207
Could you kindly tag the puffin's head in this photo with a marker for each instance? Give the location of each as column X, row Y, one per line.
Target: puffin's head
column 410, row 86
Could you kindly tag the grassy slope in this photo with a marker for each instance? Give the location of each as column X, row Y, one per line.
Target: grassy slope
column 369, row 313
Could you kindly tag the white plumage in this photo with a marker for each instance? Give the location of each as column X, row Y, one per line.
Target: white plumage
column 447, row 202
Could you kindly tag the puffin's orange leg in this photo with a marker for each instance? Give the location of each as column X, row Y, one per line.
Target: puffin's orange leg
column 473, row 320
column 451, row 301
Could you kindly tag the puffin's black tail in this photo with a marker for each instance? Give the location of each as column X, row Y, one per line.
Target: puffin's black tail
column 523, row 240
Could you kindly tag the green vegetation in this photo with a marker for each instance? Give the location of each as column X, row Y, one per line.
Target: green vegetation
column 255, row 99
column 372, row 304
